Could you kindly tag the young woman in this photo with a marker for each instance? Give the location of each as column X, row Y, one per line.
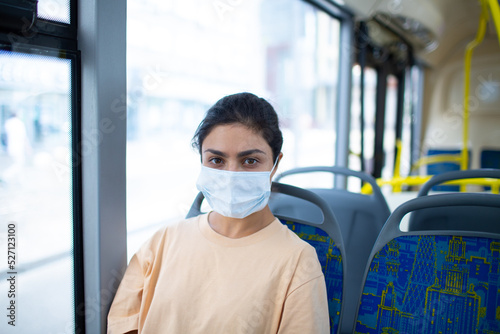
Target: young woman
column 236, row 269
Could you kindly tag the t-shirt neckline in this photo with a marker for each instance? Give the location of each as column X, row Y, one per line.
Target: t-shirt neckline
column 221, row 240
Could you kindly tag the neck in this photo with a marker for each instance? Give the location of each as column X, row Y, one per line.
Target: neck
column 238, row 228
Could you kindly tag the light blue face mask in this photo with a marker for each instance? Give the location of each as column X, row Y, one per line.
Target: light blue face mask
column 235, row 194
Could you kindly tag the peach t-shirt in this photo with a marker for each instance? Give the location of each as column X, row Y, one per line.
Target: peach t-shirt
column 189, row 279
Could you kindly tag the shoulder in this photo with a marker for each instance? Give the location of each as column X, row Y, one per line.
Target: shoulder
column 292, row 240
column 178, row 226
column 300, row 252
column 173, row 230
column 305, row 257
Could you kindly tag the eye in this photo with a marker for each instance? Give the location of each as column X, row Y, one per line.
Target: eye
column 215, row 161
column 250, row 161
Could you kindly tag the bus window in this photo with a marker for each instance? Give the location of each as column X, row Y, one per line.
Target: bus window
column 36, row 191
column 54, row 10
column 183, row 55
column 410, row 130
column 390, row 127
column 40, row 168
column 368, row 128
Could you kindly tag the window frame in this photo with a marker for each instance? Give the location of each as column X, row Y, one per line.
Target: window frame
column 386, row 62
column 346, row 62
column 104, row 121
column 53, row 39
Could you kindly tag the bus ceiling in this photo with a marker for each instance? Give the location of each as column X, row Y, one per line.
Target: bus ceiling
column 431, row 28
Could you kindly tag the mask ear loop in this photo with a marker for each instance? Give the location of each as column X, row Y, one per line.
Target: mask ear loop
column 275, row 164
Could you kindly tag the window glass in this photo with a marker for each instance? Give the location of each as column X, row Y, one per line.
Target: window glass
column 410, row 151
column 370, row 86
column 36, row 192
column 184, row 55
column 54, row 10
column 390, row 127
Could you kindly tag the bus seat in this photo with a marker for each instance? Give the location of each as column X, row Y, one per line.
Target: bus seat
column 443, row 167
column 486, row 219
column 490, row 159
column 321, row 231
column 361, row 218
column 439, row 281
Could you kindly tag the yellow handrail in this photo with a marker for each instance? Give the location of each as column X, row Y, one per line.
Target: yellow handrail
column 397, row 164
column 397, row 181
column 495, row 13
column 432, row 159
column 483, row 20
column 417, row 180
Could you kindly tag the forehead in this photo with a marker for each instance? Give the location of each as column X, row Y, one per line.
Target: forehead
column 235, row 137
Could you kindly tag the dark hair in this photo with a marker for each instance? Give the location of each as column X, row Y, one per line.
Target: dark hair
column 247, row 109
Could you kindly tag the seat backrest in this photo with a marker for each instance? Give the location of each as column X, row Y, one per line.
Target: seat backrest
column 490, row 158
column 444, row 166
column 322, row 232
column 458, row 175
column 433, row 281
column 439, row 218
column 361, row 218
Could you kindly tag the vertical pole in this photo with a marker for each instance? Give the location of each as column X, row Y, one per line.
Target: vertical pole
column 102, row 41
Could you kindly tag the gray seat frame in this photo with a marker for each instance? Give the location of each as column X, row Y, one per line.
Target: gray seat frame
column 437, row 218
column 449, row 202
column 361, row 217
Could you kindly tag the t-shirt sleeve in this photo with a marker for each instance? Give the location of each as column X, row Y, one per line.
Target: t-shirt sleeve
column 125, row 309
column 306, row 309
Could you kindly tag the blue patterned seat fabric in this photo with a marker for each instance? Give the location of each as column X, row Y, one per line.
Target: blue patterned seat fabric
column 330, row 259
column 433, row 284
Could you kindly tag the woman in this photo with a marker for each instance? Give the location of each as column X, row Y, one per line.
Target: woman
column 236, row 269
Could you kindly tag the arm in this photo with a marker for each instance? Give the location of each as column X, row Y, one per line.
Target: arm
column 306, row 309
column 124, row 314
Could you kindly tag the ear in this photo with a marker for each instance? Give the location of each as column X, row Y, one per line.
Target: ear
column 277, row 164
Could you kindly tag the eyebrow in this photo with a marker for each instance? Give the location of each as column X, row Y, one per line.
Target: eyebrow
column 250, row 152
column 209, row 150
column 241, row 154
